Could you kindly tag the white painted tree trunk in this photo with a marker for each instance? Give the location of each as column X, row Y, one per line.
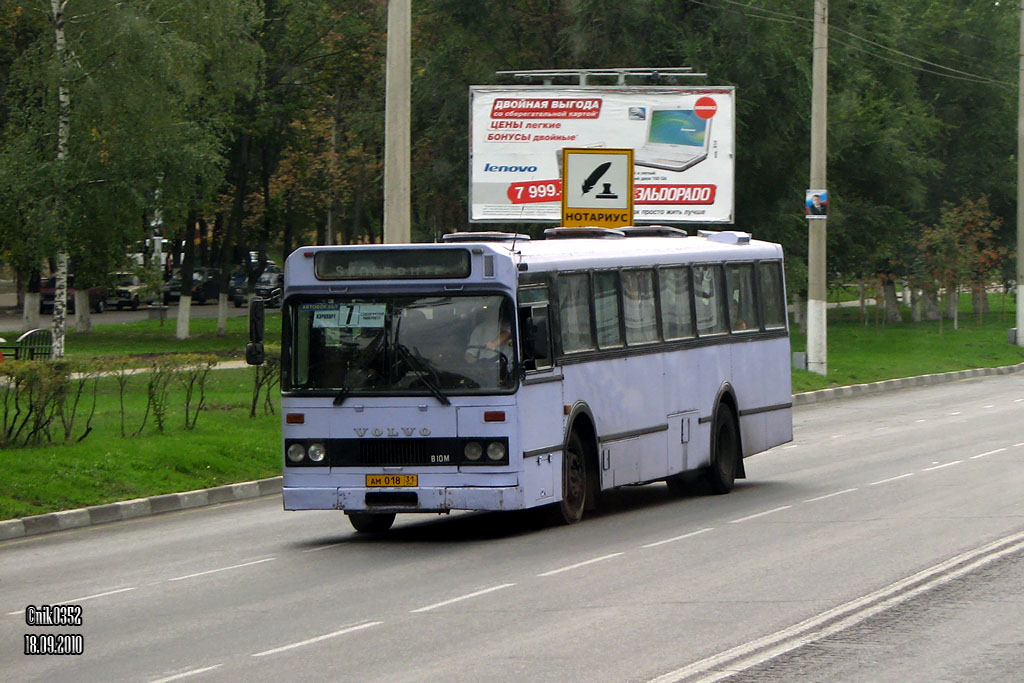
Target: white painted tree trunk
column 83, row 314
column 184, row 317
column 30, row 318
column 222, row 314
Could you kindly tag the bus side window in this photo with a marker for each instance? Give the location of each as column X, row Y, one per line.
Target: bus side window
column 742, row 309
column 638, row 306
column 574, row 312
column 606, row 309
column 536, row 339
column 709, row 300
column 675, row 303
column 772, row 301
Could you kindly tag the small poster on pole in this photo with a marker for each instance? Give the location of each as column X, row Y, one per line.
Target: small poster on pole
column 816, row 204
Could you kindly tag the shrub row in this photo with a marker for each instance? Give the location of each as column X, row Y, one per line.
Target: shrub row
column 47, row 401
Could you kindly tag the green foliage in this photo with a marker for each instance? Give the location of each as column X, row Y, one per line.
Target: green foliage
column 264, row 120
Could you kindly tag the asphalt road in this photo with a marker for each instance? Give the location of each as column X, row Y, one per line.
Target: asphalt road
column 885, row 543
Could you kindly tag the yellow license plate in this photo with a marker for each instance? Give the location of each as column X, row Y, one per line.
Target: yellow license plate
column 392, row 480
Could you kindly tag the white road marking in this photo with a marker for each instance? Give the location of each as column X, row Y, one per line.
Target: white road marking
column 1019, row 400
column 760, row 514
column 786, row 448
column 886, row 481
column 939, row 467
column 881, row 429
column 982, row 455
column 919, row 421
column 761, row 650
column 956, row 413
column 323, row 547
column 676, row 538
column 1018, row 445
column 579, row 564
column 461, row 598
column 222, row 569
column 838, row 436
column 830, row 495
column 347, row 629
column 186, row 674
column 77, row 600
column 990, row 406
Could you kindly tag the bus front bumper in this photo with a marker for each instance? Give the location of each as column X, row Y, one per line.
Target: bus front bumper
column 437, row 499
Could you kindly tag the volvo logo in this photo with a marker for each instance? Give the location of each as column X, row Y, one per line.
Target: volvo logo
column 390, row 431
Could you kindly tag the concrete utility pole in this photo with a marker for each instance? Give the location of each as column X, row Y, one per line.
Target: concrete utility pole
column 817, row 327
column 397, row 142
column 1020, row 186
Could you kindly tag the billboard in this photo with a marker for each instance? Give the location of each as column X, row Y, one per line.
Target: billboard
column 683, row 141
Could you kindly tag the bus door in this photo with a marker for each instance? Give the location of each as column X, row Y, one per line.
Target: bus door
column 541, row 419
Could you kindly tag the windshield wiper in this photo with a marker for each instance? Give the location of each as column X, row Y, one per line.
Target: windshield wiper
column 340, row 397
column 426, row 373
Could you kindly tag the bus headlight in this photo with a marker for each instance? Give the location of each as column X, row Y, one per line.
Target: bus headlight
column 296, row 452
column 473, row 450
column 495, row 450
column 317, row 452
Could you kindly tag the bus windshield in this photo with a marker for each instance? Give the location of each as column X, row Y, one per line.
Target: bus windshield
column 400, row 344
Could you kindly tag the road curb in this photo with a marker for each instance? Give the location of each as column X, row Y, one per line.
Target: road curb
column 138, row 507
column 854, row 390
column 172, row 502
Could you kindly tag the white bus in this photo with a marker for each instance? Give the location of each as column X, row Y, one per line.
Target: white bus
column 495, row 372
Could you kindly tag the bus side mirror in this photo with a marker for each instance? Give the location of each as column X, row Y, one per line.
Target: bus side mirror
column 254, row 353
column 256, row 320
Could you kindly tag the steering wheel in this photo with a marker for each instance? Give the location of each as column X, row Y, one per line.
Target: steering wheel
column 479, row 349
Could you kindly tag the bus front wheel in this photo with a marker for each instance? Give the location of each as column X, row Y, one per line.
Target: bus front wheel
column 725, row 451
column 574, row 483
column 371, row 522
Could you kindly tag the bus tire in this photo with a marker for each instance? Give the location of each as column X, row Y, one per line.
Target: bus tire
column 574, row 482
column 725, row 451
column 371, row 522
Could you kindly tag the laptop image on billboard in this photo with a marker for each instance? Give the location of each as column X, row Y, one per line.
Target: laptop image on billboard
column 676, row 140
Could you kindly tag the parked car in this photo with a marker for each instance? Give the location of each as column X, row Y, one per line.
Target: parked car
column 204, row 286
column 127, row 291
column 238, row 293
column 97, row 296
column 270, row 288
column 240, row 285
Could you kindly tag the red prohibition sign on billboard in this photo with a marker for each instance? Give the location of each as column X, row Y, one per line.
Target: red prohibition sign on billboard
column 705, row 107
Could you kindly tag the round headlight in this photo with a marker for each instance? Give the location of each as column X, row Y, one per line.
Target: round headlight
column 473, row 450
column 495, row 450
column 296, row 452
column 317, row 452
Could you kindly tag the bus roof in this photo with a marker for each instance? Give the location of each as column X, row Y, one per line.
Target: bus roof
column 567, row 253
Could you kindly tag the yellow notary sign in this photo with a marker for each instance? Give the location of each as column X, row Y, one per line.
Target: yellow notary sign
column 597, row 187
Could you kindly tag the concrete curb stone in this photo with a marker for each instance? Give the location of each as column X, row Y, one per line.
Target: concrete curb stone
column 171, row 502
column 134, row 509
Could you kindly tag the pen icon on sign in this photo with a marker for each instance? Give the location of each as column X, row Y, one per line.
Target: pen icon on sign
column 592, row 179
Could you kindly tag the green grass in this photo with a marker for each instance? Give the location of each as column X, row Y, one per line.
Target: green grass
column 860, row 353
column 148, row 337
column 226, row 447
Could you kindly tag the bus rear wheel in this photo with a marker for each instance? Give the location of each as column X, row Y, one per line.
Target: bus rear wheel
column 725, row 452
column 371, row 522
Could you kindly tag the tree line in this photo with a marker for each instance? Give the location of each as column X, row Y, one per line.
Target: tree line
column 238, row 126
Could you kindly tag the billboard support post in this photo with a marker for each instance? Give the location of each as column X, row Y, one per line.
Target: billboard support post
column 397, row 138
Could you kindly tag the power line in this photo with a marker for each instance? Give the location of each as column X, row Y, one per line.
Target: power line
column 806, row 24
